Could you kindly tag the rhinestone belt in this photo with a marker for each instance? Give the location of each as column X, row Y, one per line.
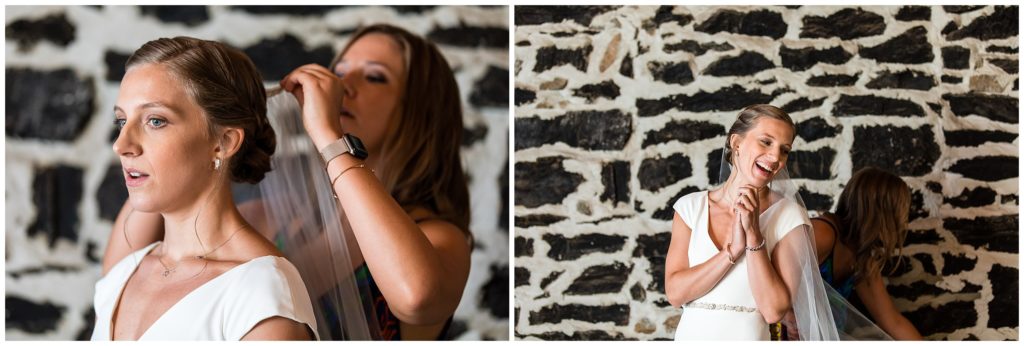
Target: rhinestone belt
column 715, row 306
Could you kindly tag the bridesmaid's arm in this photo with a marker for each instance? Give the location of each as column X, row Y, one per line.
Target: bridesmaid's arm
column 876, row 299
column 143, row 229
column 684, row 283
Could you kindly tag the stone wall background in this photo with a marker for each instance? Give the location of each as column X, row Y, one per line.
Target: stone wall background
column 63, row 183
column 622, row 110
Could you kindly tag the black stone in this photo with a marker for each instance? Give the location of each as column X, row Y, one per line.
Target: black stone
column 697, row 48
column 115, row 65
column 815, row 165
column 191, row 16
column 715, row 166
column 550, row 278
column 815, row 201
column 112, row 193
column 730, row 98
column 276, row 57
column 531, row 220
column 961, row 8
column 754, row 23
column 54, row 28
column 816, row 128
column 846, row 24
column 535, row 15
column 654, row 248
column 523, row 247
column 802, row 104
column 853, row 105
column 912, row 13
column 987, row 168
column 956, row 57
column 666, row 212
column 607, row 89
column 288, row 10
column 412, row 9
column 945, row 318
column 615, row 177
column 665, row 15
column 472, row 135
column 470, row 36
column 926, row 236
column 568, row 249
column 31, row 317
column 832, row 80
column 90, row 321
column 522, row 277
column 90, row 252
column 953, row 265
column 937, row 108
column 592, row 130
column 1010, row 198
column 48, row 105
column 906, row 79
column 543, row 182
column 747, row 63
column 980, row 196
column 1001, row 49
column 524, row 96
column 656, row 173
column 503, row 219
column 927, row 263
column 916, row 290
column 917, row 208
column 910, row 47
column 600, row 279
column 685, row 131
column 491, row 90
column 669, row 72
column 951, row 79
column 494, row 297
column 897, row 266
column 637, row 292
column 56, row 193
column 1003, row 309
column 933, row 186
column 995, row 233
column 887, row 147
column 804, row 58
column 584, row 335
column 548, row 57
column 617, row 314
column 1008, row 65
column 1002, row 23
column 626, row 68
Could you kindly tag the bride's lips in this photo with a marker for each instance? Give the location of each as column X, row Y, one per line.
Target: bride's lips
column 134, row 177
column 763, row 169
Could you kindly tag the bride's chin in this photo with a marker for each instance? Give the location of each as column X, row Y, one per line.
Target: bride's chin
column 143, row 204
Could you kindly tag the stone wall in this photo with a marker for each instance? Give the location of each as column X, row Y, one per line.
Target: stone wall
column 63, row 183
column 622, row 110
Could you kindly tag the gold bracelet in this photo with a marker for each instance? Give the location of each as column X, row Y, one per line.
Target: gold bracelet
column 343, row 173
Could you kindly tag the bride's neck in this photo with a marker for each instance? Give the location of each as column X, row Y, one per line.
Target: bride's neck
column 206, row 220
column 730, row 190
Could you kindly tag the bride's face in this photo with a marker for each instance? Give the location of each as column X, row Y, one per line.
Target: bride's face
column 762, row 152
column 373, row 70
column 165, row 151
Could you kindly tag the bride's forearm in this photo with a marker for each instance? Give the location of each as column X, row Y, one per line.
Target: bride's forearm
column 770, row 292
column 686, row 285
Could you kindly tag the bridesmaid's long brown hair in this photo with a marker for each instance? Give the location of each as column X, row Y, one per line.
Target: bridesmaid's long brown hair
column 873, row 212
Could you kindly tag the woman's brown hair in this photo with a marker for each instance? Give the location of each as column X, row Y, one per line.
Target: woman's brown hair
column 748, row 118
column 873, row 212
column 228, row 87
column 423, row 167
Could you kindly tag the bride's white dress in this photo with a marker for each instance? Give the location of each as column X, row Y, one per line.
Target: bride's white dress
column 728, row 311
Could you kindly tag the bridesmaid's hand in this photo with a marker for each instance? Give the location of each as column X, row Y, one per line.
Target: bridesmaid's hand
column 319, row 93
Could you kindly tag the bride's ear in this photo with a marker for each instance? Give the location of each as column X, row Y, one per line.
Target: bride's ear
column 229, row 141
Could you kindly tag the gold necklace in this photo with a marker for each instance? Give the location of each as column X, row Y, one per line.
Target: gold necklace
column 169, row 270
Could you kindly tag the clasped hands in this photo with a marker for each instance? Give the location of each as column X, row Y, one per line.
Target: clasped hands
column 746, row 230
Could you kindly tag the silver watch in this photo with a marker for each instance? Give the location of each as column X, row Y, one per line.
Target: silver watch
column 347, row 144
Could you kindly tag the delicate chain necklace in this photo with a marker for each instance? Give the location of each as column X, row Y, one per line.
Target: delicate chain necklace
column 170, row 270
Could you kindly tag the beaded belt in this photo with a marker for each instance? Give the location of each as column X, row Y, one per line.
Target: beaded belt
column 715, row 306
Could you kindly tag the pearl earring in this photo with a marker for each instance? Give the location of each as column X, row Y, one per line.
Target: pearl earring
column 216, row 164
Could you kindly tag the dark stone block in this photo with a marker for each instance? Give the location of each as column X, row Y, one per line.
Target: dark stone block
column 607, row 89
column 470, row 36
column 852, row 105
column 1001, row 49
column 714, row 166
column 685, row 131
column 1008, row 65
column 548, row 57
column 288, row 10
column 732, row 98
column 747, row 63
column 568, row 249
column 802, row 104
column 543, row 182
column 926, row 236
column 754, row 23
column 980, row 196
column 934, row 186
column 897, row 266
column 31, row 317
column 524, row 96
column 56, row 193
column 927, row 263
column 995, row 233
column 815, row 201
column 654, row 248
column 190, row 16
column 935, row 107
column 951, row 79
column 550, row 278
column 917, row 208
column 617, row 314
column 833, row 80
column 523, row 247
column 112, row 193
column 90, row 252
column 916, row 290
column 494, row 297
column 503, row 219
column 527, row 221
column 815, row 165
column 912, row 13
column 115, row 65
column 491, row 90
column 656, row 173
column 953, row 265
column 535, row 15
column 638, row 293
column 1010, row 198
column 673, row 73
column 600, row 279
column 906, row 79
column 615, row 177
column 961, row 8
column 592, row 130
column 1002, row 23
column 697, row 48
column 846, row 24
column 666, row 212
column 1003, row 309
column 816, row 128
column 987, row 168
column 277, row 57
column 90, row 321
column 665, row 15
column 956, row 57
column 586, row 335
column 804, row 58
column 885, row 147
column 54, row 28
column 411, row 9
column 48, row 105
column 945, row 318
column 522, row 277
column 910, row 47
column 626, row 68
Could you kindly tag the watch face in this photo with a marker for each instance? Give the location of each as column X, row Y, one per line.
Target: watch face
column 356, row 147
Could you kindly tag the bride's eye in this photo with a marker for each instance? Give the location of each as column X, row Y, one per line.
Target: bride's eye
column 119, row 123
